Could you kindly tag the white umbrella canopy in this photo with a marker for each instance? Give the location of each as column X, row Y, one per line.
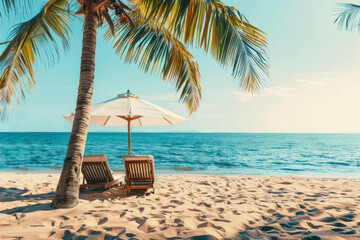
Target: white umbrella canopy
column 128, row 109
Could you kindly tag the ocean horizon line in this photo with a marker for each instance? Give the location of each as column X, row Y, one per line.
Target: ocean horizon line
column 135, row 132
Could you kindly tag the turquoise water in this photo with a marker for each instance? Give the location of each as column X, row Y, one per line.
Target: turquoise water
column 332, row 155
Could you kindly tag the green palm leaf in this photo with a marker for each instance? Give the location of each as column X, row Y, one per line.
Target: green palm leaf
column 348, row 16
column 156, row 50
column 219, row 29
column 29, row 42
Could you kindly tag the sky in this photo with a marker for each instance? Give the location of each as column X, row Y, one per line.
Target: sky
column 313, row 86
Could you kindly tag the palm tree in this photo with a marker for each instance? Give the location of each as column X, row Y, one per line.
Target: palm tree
column 152, row 33
column 348, row 17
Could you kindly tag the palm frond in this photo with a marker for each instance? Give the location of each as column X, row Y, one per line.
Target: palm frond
column 29, row 42
column 348, row 17
column 217, row 28
column 7, row 6
column 157, row 51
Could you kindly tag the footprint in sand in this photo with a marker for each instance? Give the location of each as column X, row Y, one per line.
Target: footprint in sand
column 302, row 206
column 278, row 215
column 52, row 233
column 64, row 218
column 314, row 212
column 168, row 206
column 82, row 228
column 177, row 202
column 205, row 224
column 309, row 199
column 69, row 227
column 93, row 232
column 339, row 224
column 347, row 218
column 179, row 222
column 313, row 226
column 207, row 205
column 311, row 238
column 194, row 209
column 68, row 235
column 103, row 220
column 328, row 219
column 286, row 183
column 300, row 213
column 271, row 211
column 142, row 224
column 291, row 209
column 120, row 230
column 221, row 220
column 343, row 231
column 204, row 183
column 268, row 229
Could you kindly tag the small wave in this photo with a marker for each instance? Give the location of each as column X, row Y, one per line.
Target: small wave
column 227, row 164
column 339, row 163
column 22, row 169
column 176, row 154
column 182, row 169
column 279, row 147
column 252, row 149
column 292, row 169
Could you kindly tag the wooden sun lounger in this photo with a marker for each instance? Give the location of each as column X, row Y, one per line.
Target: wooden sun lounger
column 140, row 173
column 96, row 172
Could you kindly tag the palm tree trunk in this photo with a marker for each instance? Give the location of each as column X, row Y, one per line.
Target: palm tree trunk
column 67, row 191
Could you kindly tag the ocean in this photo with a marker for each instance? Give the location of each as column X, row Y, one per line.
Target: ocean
column 315, row 155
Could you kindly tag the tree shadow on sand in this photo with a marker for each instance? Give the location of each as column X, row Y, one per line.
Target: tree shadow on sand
column 28, row 209
column 16, row 194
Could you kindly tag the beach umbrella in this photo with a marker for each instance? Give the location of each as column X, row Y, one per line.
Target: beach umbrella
column 129, row 110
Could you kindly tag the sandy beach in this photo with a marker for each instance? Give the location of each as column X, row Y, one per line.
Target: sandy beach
column 185, row 206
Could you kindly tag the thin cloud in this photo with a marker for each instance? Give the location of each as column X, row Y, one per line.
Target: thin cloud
column 279, row 91
column 315, row 81
column 276, row 91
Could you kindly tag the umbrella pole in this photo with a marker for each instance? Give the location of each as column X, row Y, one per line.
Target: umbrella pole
column 129, row 137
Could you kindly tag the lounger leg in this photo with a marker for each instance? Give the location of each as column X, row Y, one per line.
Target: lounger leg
column 128, row 191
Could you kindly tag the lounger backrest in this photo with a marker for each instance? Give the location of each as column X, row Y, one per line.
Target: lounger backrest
column 139, row 167
column 95, row 169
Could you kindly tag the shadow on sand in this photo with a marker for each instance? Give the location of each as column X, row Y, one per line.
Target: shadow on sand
column 16, row 194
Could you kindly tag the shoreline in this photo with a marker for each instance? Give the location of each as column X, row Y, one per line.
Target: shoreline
column 190, row 173
column 186, row 206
